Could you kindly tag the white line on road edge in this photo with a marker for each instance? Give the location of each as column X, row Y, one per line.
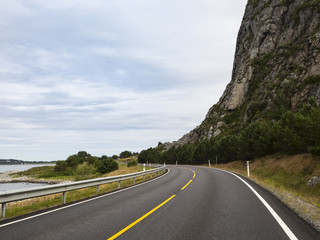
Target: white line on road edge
column 85, row 201
column 285, row 228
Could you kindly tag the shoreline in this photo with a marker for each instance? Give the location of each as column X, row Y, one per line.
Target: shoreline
column 5, row 177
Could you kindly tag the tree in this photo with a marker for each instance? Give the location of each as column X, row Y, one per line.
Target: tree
column 61, row 166
column 125, row 154
column 105, row 165
column 73, row 160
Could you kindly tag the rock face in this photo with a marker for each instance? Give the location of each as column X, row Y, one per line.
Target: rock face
column 276, row 66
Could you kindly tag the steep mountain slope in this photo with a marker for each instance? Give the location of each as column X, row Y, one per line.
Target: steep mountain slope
column 276, row 67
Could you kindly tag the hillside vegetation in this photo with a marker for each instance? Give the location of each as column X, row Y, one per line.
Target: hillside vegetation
column 295, row 132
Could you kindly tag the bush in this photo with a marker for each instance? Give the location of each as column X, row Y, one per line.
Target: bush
column 313, row 79
column 73, row 161
column 85, row 171
column 125, row 154
column 132, row 163
column 106, row 165
column 314, row 150
column 61, row 166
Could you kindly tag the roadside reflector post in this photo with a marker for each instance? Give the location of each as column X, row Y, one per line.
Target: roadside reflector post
column 164, row 164
column 3, row 210
column 144, row 167
column 248, row 169
column 209, row 163
column 98, row 188
column 64, row 197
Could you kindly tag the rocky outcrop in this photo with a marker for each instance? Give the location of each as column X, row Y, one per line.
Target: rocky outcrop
column 315, row 180
column 276, row 66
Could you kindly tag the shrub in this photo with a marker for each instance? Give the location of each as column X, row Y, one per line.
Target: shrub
column 61, row 166
column 125, row 154
column 313, row 79
column 314, row 150
column 132, row 163
column 106, row 165
column 85, row 170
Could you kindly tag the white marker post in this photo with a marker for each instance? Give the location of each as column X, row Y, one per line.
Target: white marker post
column 248, row 169
column 144, row 167
column 209, row 163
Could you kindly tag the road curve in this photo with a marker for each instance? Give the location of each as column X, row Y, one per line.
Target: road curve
column 187, row 203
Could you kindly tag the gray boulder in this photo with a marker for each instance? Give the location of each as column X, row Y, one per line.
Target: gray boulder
column 313, row 181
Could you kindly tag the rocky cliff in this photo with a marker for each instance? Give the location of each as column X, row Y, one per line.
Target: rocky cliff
column 276, row 67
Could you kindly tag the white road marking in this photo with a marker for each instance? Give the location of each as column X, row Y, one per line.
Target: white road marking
column 282, row 224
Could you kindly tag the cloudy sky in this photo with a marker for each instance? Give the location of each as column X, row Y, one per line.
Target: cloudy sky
column 108, row 76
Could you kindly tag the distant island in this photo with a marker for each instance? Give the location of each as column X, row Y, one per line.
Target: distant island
column 15, row 161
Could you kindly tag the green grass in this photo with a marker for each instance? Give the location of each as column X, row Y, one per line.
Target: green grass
column 287, row 177
column 47, row 172
column 287, row 173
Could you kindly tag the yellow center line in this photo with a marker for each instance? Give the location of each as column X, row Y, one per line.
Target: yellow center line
column 186, row 184
column 150, row 212
column 194, row 175
column 140, row 219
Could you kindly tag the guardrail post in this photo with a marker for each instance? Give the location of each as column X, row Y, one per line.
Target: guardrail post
column 64, row 197
column 144, row 177
column 98, row 188
column 150, row 175
column 3, row 210
column 134, row 181
column 119, row 185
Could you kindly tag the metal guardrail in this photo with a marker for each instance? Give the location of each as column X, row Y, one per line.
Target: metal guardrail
column 17, row 195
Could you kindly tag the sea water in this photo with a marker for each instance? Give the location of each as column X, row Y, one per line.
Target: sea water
column 19, row 185
column 19, row 167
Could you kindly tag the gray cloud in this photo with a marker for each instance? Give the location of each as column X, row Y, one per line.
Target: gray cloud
column 106, row 76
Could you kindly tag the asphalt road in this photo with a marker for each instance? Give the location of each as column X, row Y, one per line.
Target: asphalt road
column 187, row 203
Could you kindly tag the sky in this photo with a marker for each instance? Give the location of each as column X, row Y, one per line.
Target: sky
column 109, row 76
